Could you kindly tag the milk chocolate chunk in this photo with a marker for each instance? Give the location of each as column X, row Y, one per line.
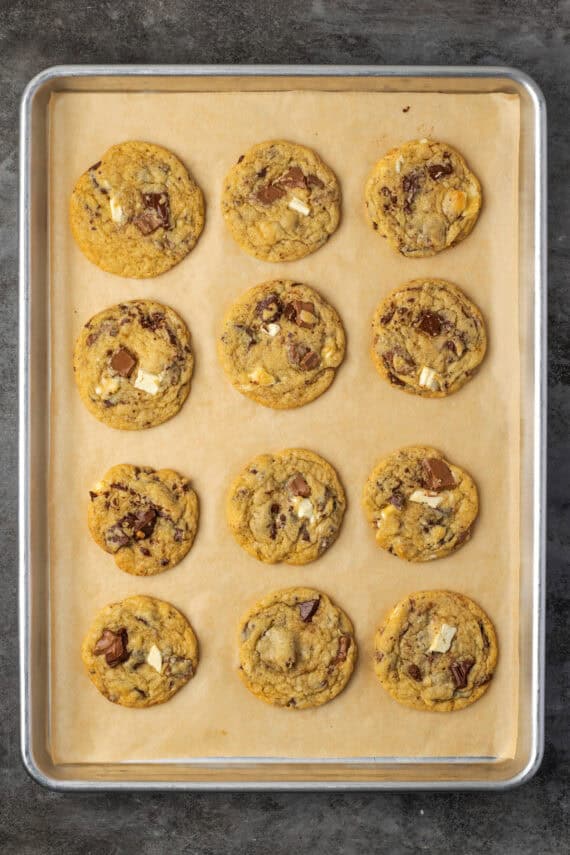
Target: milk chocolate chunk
column 308, row 608
column 269, row 193
column 437, row 170
column 309, row 361
column 301, row 313
column 299, row 486
column 144, row 523
column 315, row 181
column 415, row 673
column 113, row 645
column 343, row 645
column 123, row 362
column 292, row 178
column 429, row 323
column 460, row 671
column 436, row 474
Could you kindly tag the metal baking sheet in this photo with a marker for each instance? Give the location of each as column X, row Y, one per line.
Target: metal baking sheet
column 235, row 772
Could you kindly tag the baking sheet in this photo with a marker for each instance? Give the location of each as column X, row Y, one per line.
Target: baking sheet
column 358, row 420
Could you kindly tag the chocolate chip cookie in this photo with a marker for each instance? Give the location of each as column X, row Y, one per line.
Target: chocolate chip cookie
column 136, row 212
column 423, row 197
column 146, row 519
column 286, row 506
column 437, row 651
column 133, row 364
column 296, row 649
column 140, row 651
column 420, row 505
column 281, row 201
column 281, row 344
column 428, row 338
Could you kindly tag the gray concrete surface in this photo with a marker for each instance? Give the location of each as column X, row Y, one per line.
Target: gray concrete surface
column 531, row 35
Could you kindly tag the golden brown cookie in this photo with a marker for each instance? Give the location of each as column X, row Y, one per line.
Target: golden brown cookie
column 136, row 212
column 133, row 364
column 428, row 338
column 281, row 201
column 423, row 197
column 436, row 650
column 281, row 344
column 296, row 649
column 146, row 519
column 420, row 506
column 287, row 506
column 140, row 651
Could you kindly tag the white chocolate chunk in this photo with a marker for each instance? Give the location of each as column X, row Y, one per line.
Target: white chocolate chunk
column 442, row 639
column 117, row 213
column 147, row 382
column 304, row 509
column 297, row 205
column 154, row 658
column 428, row 378
column 262, row 377
column 422, row 497
column 271, row 329
column 399, row 163
column 107, row 386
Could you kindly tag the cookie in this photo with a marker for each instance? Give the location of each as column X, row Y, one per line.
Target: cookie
column 146, row 519
column 296, row 649
column 436, row 651
column 136, row 212
column 423, row 197
column 140, row 651
column 420, row 505
column 428, row 338
column 286, row 506
column 133, row 364
column 281, row 201
column 281, row 344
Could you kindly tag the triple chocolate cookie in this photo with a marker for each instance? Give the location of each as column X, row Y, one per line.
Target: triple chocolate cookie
column 420, row 506
column 146, row 519
column 281, row 344
column 286, row 506
column 136, row 212
column 428, row 338
column 296, row 649
column 140, row 651
column 423, row 197
column 133, row 364
column 436, row 650
column 281, row 201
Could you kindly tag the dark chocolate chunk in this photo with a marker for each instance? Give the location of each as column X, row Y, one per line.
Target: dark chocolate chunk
column 144, row 523
column 388, row 315
column 92, row 338
column 436, row 170
column 95, row 166
column 308, row 608
column 460, row 670
column 115, row 538
column 299, row 487
column 405, row 109
column 343, row 645
column 309, row 361
column 123, row 362
column 269, row 193
column 315, row 181
column 114, row 646
column 415, row 672
column 436, row 474
column 429, row 323
column 269, row 309
column 93, row 495
column 397, row 500
column 156, row 213
column 411, row 185
column 240, row 158
column 275, row 508
column 301, row 313
column 294, row 177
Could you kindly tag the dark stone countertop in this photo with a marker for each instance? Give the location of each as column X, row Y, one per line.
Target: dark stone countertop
column 533, row 36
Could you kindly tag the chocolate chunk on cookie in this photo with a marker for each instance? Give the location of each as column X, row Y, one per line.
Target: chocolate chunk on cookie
column 286, row 506
column 423, row 197
column 146, row 519
column 140, row 651
column 133, row 364
column 296, row 648
column 420, row 506
column 281, row 201
column 136, row 212
column 281, row 344
column 428, row 338
column 437, row 650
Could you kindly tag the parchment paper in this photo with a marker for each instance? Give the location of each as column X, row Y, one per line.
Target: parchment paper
column 358, row 420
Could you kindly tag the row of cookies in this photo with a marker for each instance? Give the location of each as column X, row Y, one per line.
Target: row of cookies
column 436, row 650
column 285, row 507
column 281, row 345
column 137, row 212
